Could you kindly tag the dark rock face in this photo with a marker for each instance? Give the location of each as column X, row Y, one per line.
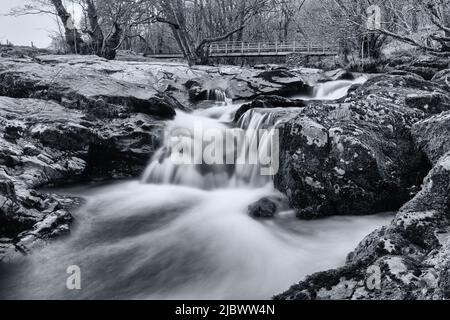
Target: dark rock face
column 249, row 85
column 264, row 208
column 357, row 157
column 196, row 92
column 267, row 207
column 268, row 102
column 432, row 135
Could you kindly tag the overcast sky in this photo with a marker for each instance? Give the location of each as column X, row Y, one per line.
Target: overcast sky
column 22, row 30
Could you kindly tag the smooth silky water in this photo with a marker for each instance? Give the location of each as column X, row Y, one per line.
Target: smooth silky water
column 183, row 232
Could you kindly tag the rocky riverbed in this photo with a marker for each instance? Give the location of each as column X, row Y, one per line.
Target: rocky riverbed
column 66, row 119
column 383, row 147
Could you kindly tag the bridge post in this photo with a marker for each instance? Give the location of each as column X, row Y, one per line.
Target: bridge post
column 226, row 48
column 259, row 47
column 276, row 46
column 293, row 46
column 242, row 47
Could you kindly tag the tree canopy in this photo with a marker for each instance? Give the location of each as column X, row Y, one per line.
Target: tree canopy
column 190, row 26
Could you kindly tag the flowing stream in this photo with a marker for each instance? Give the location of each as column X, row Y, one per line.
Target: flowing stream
column 183, row 231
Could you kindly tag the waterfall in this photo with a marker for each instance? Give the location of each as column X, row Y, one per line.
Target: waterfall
column 238, row 151
column 216, row 95
column 241, row 150
column 332, row 90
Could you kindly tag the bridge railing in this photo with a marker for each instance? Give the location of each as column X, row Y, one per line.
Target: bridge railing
column 237, row 47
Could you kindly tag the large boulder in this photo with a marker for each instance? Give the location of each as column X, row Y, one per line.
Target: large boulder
column 89, row 83
column 404, row 89
column 250, row 84
column 268, row 102
column 268, row 207
column 354, row 158
column 246, row 83
column 426, row 66
column 433, row 102
column 408, row 259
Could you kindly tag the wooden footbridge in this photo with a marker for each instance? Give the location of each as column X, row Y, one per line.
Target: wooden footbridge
column 263, row 49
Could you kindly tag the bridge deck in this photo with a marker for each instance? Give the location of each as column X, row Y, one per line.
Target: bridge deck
column 263, row 49
column 271, row 48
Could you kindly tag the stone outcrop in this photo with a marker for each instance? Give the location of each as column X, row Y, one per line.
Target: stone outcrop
column 268, row 102
column 65, row 119
column 409, row 258
column 103, row 88
column 355, row 157
column 432, row 135
column 243, row 84
column 248, row 85
column 426, row 66
column 43, row 143
column 268, row 207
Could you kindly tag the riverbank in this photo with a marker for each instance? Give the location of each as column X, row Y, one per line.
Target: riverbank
column 67, row 119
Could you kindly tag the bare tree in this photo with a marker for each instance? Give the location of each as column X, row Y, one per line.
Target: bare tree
column 106, row 23
column 435, row 16
column 72, row 35
column 195, row 25
column 421, row 23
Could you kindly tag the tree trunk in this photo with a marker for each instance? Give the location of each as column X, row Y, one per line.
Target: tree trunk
column 375, row 43
column 96, row 32
column 73, row 37
column 174, row 12
column 109, row 50
column 106, row 48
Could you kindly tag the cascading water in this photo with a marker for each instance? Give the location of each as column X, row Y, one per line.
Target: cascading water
column 216, row 95
column 332, row 90
column 238, row 165
column 183, row 232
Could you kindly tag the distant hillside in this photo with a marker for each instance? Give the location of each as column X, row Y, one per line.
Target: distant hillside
column 21, row 51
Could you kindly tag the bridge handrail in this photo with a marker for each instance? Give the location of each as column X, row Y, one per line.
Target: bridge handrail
column 271, row 46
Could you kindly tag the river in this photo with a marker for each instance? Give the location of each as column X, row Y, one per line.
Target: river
column 183, row 231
